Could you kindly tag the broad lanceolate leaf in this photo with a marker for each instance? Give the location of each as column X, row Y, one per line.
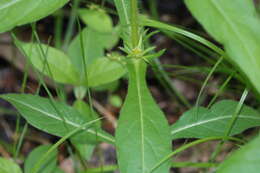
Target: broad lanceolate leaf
column 52, row 62
column 236, row 25
column 201, row 122
column 55, row 118
column 49, row 165
column 8, row 166
column 246, row 159
column 143, row 134
column 16, row 12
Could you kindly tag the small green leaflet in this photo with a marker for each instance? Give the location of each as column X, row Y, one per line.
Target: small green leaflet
column 98, row 68
column 90, row 50
column 55, row 118
column 8, row 166
column 143, row 134
column 80, row 92
column 244, row 160
column 18, row 12
column 201, row 122
column 96, row 19
column 104, row 71
column 49, row 164
column 235, row 24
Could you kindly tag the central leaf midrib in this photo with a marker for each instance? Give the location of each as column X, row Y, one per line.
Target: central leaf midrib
column 69, row 122
column 9, row 4
column 125, row 12
column 140, row 106
column 209, row 121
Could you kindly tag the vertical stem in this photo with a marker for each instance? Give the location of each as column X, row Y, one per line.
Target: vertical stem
column 58, row 29
column 153, row 9
column 70, row 27
column 20, row 142
column 134, row 23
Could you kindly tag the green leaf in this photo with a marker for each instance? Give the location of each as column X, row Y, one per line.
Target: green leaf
column 85, row 111
column 80, row 92
column 55, row 118
column 58, row 170
column 96, row 19
column 16, row 12
column 246, row 159
column 52, row 62
column 93, row 49
column 104, row 70
column 143, row 134
column 111, row 87
column 95, row 66
column 201, row 122
column 109, row 40
column 123, row 10
column 8, row 166
column 236, row 25
column 86, row 150
column 49, row 164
